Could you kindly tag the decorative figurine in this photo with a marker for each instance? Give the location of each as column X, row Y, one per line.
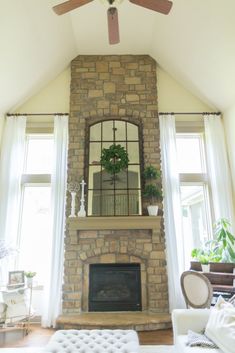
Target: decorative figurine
column 73, row 188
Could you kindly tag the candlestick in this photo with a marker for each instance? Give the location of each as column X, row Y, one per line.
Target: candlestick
column 82, row 211
column 73, row 187
column 73, row 196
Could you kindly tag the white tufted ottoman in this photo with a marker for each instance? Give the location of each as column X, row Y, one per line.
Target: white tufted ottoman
column 93, row 341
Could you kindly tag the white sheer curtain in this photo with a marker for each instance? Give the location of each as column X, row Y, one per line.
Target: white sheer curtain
column 218, row 168
column 53, row 289
column 172, row 211
column 11, row 168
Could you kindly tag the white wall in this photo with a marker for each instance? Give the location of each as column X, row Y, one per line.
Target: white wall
column 172, row 97
column 54, row 98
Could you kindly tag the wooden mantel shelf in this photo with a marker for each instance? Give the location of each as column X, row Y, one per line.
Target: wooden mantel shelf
column 102, row 223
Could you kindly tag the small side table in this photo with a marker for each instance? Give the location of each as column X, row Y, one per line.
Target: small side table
column 17, row 320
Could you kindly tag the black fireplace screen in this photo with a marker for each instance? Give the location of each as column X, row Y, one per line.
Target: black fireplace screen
column 114, row 287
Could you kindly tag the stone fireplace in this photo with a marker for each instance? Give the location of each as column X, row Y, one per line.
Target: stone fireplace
column 113, row 87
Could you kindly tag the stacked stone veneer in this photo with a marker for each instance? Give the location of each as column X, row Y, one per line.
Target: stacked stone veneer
column 113, row 87
column 117, row 246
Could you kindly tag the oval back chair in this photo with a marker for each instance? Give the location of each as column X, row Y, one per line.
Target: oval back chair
column 197, row 289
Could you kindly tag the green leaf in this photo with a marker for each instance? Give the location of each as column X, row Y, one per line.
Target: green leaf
column 231, row 253
column 231, row 237
column 114, row 159
column 150, row 173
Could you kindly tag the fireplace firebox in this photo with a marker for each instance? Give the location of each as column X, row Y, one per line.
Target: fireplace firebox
column 115, row 287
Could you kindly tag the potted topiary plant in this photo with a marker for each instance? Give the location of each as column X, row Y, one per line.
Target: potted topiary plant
column 152, row 190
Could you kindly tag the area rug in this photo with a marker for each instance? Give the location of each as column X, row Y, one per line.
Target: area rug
column 143, row 349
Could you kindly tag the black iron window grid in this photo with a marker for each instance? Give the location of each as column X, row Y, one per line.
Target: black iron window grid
column 114, row 189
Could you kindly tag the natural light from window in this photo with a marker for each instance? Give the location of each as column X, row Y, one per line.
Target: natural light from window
column 35, row 244
column 195, row 203
column 194, row 212
column 34, row 239
column 190, row 154
column 39, row 154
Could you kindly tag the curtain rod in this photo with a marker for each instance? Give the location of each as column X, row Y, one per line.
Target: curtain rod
column 35, row 114
column 192, row 113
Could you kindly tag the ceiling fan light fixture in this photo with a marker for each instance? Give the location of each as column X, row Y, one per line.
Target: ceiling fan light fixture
column 113, row 27
column 111, row 2
column 162, row 6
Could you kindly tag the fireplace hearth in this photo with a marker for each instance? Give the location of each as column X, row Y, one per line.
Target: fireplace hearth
column 115, row 287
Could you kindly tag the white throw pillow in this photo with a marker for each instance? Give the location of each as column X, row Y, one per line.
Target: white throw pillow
column 221, row 326
column 17, row 305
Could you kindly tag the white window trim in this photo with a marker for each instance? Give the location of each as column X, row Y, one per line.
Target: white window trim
column 193, row 178
column 189, row 126
column 40, row 127
column 36, row 179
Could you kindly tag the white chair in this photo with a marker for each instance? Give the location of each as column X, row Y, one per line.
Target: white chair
column 197, row 289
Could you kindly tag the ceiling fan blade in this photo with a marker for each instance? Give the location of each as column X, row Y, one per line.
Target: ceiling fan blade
column 69, row 6
column 162, row 6
column 113, row 27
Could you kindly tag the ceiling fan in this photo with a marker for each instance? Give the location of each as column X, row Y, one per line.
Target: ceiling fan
column 162, row 6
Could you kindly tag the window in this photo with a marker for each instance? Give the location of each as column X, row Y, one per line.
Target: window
column 190, row 151
column 194, row 188
column 39, row 155
column 34, row 235
column 118, row 194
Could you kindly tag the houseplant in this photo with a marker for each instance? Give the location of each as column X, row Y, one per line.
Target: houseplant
column 152, row 189
column 225, row 240
column 205, row 255
column 220, row 249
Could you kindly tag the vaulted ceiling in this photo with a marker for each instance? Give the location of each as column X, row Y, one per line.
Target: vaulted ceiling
column 195, row 44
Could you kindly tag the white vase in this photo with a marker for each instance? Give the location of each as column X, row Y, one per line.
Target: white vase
column 152, row 210
column 205, row 267
column 29, row 281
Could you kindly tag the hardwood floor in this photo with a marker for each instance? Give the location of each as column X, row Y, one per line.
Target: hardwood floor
column 159, row 337
column 39, row 337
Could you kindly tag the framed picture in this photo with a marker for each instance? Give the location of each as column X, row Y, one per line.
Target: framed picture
column 16, row 279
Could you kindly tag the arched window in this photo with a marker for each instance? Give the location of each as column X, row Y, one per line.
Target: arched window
column 114, row 194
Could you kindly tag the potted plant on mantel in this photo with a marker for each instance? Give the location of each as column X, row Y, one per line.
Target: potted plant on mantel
column 219, row 252
column 152, row 189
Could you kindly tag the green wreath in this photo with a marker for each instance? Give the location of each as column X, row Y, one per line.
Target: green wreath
column 114, row 159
